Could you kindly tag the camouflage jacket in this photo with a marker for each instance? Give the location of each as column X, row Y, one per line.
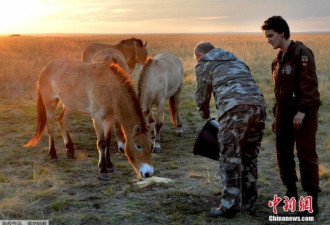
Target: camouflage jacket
column 229, row 79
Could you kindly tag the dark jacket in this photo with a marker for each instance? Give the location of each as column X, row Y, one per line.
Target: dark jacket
column 294, row 75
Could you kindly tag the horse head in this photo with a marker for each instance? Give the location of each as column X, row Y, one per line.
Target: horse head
column 141, row 52
column 134, row 50
column 138, row 152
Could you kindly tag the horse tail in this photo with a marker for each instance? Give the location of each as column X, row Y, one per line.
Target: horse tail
column 88, row 53
column 41, row 121
column 171, row 102
column 85, row 56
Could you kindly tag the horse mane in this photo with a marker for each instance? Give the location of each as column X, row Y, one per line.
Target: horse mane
column 132, row 40
column 143, row 75
column 121, row 74
column 128, row 85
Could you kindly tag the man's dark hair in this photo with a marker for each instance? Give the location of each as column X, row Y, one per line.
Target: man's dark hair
column 204, row 47
column 278, row 24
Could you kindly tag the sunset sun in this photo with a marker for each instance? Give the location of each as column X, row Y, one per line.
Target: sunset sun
column 16, row 15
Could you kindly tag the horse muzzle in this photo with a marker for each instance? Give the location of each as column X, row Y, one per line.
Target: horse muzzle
column 146, row 170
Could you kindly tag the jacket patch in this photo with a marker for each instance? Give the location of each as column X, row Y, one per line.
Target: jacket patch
column 304, row 60
column 287, row 70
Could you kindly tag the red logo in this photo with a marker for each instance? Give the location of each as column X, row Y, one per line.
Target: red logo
column 306, row 204
column 290, row 204
column 274, row 203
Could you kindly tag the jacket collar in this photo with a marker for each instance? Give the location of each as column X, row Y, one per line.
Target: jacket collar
column 280, row 54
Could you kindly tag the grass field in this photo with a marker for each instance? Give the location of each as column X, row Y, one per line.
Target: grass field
column 68, row 191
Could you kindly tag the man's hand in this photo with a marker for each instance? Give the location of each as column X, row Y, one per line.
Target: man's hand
column 297, row 120
column 205, row 114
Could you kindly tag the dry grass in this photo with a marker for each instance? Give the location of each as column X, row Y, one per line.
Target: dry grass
column 68, row 192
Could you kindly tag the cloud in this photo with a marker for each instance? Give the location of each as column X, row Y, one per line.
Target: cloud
column 122, row 10
column 172, row 15
column 321, row 23
column 213, row 17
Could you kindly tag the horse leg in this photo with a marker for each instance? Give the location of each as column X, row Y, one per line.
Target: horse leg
column 101, row 147
column 120, row 136
column 177, row 112
column 151, row 123
column 50, row 113
column 62, row 122
column 158, row 127
column 110, row 167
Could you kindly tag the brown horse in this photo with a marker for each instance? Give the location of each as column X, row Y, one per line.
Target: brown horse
column 104, row 92
column 133, row 49
column 161, row 78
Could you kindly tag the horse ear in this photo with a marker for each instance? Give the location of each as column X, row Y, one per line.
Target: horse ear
column 114, row 61
column 145, row 44
column 150, row 126
column 137, row 129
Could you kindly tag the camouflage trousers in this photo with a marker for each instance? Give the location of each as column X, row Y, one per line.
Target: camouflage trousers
column 240, row 135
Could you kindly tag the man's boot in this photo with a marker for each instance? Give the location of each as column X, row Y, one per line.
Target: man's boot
column 222, row 212
column 314, row 206
column 291, row 192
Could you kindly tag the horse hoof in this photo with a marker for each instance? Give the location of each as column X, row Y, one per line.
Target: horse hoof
column 156, row 150
column 121, row 147
column 179, row 131
column 70, row 155
column 103, row 176
column 111, row 169
column 121, row 150
column 54, row 160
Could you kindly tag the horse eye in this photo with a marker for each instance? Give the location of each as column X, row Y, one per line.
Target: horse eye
column 138, row 147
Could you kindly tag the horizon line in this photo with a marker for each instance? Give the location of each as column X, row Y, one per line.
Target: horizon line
column 156, row 33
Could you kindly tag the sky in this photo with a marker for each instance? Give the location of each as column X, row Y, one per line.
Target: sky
column 158, row 16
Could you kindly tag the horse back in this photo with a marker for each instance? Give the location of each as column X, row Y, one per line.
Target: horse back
column 171, row 69
column 161, row 77
column 77, row 84
column 92, row 49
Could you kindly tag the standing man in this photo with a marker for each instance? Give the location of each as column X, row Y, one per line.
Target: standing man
column 241, row 114
column 296, row 108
